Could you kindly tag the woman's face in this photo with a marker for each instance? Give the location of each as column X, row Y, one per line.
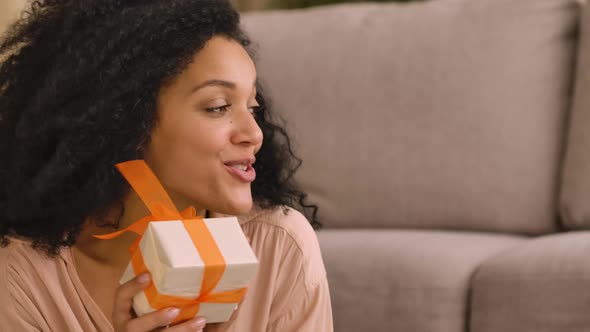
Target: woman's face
column 204, row 143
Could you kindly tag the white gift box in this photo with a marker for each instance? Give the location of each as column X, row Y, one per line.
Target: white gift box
column 177, row 269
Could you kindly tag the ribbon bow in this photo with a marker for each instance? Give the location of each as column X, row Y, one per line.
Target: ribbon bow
column 151, row 192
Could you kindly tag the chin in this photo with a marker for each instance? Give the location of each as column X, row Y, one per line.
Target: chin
column 236, row 207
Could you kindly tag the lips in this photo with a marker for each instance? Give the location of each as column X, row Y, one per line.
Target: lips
column 242, row 169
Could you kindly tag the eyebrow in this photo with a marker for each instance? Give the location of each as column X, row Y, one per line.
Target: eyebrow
column 215, row 82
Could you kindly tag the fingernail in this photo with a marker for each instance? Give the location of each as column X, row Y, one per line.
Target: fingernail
column 143, row 278
column 198, row 323
column 171, row 313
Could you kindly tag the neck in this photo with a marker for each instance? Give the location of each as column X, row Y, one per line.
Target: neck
column 114, row 252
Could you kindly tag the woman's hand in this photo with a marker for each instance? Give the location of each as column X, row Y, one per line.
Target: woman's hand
column 124, row 320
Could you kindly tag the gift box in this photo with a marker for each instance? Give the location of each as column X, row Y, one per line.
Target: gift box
column 177, row 268
column 201, row 266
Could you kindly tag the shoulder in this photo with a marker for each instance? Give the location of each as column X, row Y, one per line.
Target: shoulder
column 17, row 265
column 20, row 262
column 28, row 280
column 285, row 219
column 19, row 249
column 291, row 234
column 14, row 257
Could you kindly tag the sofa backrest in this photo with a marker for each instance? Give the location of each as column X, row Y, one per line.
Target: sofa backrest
column 446, row 114
column 9, row 11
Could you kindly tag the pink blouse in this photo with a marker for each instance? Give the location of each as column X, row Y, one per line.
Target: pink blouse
column 288, row 293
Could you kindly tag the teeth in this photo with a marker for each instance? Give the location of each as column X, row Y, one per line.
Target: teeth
column 240, row 167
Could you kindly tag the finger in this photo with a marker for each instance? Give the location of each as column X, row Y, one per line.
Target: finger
column 153, row 320
column 124, row 297
column 196, row 324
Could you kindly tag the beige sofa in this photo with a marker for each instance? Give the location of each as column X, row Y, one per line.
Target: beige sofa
column 9, row 11
column 447, row 144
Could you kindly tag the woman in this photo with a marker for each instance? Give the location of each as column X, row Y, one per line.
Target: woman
column 87, row 84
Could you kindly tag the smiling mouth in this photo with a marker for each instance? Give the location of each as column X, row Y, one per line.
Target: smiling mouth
column 240, row 167
column 242, row 170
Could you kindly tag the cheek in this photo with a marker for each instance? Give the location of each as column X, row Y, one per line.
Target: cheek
column 193, row 155
column 205, row 141
column 187, row 140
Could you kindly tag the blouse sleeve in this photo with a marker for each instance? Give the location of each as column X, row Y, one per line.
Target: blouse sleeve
column 302, row 298
column 311, row 312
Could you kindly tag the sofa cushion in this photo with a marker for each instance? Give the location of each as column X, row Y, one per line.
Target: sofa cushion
column 575, row 193
column 539, row 285
column 401, row 280
column 445, row 114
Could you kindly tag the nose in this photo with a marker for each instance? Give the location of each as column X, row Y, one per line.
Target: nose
column 246, row 130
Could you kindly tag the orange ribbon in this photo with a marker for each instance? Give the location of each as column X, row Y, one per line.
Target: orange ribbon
column 151, row 192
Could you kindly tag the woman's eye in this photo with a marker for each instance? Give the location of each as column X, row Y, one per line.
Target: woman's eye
column 219, row 109
column 254, row 109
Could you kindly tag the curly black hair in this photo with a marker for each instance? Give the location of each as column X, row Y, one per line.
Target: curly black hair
column 78, row 91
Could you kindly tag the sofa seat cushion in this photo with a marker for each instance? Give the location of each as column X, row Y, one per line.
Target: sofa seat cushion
column 401, row 280
column 541, row 285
